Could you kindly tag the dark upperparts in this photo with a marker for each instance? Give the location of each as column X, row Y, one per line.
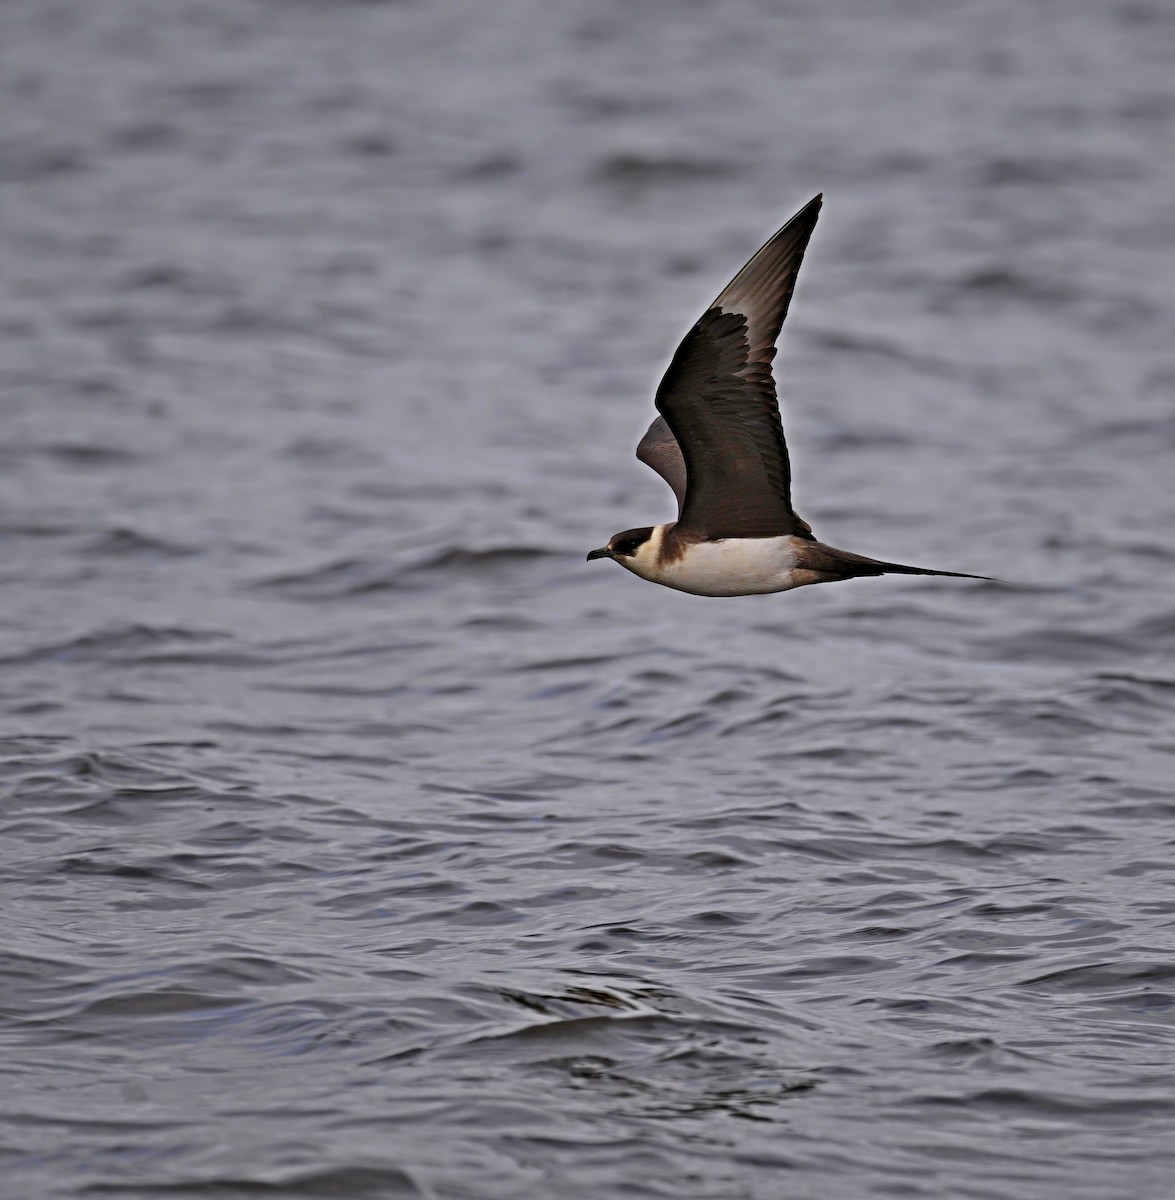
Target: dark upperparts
column 718, row 400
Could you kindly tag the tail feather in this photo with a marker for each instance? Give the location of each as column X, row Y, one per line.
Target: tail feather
column 884, row 568
column 841, row 564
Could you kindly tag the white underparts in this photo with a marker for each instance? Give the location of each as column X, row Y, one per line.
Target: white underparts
column 730, row 567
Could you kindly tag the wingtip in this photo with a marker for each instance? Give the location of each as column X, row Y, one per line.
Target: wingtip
column 808, row 214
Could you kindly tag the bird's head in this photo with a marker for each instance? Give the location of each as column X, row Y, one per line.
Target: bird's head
column 634, row 548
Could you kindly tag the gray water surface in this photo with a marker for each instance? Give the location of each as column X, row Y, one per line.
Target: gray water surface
column 361, row 840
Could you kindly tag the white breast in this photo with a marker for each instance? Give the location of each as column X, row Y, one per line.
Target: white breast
column 731, row 567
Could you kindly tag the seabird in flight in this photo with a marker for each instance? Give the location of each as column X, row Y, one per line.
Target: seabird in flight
column 719, row 445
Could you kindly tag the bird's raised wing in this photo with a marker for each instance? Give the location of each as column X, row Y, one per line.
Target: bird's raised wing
column 659, row 449
column 719, row 404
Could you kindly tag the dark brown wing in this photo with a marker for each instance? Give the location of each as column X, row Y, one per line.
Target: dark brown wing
column 718, row 400
column 659, row 449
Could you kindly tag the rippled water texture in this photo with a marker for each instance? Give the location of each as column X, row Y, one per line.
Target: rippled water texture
column 359, row 839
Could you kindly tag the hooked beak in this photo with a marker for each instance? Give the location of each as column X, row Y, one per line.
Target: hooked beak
column 602, row 552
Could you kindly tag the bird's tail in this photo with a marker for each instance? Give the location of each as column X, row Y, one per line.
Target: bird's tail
column 884, row 568
column 836, row 564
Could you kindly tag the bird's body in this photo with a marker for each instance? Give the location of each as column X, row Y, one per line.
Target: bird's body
column 719, row 445
column 726, row 567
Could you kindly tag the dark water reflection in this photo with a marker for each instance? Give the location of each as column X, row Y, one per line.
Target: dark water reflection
column 359, row 838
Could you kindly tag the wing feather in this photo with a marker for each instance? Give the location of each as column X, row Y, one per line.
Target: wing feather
column 719, row 403
column 659, row 449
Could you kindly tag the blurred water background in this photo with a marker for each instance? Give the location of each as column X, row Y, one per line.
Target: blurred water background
column 361, row 840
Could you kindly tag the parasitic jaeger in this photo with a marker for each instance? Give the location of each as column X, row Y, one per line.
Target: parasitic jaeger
column 719, row 444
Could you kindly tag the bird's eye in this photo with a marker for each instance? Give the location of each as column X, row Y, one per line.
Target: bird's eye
column 629, row 542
